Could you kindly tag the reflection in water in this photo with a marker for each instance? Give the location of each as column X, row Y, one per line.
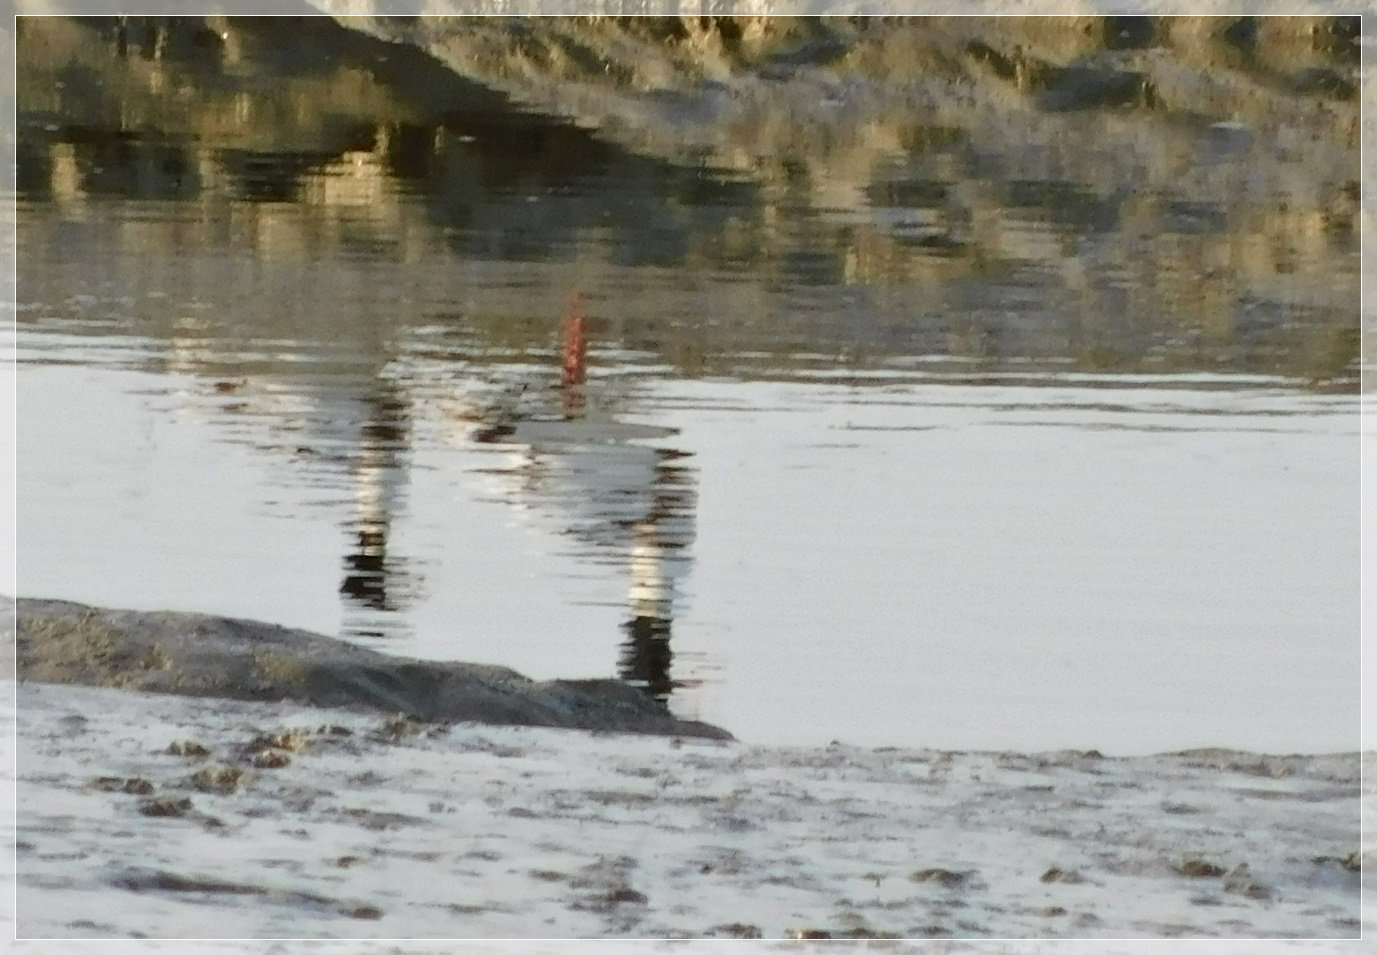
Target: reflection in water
column 358, row 245
column 1202, row 247
column 659, row 559
column 632, row 503
column 379, row 474
column 574, row 359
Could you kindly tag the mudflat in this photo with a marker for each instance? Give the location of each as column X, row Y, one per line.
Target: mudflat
column 203, row 655
column 350, row 823
column 137, row 811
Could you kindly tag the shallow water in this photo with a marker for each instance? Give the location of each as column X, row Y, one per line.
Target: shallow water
column 837, row 471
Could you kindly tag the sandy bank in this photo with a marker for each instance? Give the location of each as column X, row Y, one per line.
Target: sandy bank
column 202, row 655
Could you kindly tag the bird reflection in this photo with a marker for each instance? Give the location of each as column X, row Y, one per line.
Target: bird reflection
column 365, row 575
column 574, row 358
column 371, row 576
column 659, row 557
column 614, row 493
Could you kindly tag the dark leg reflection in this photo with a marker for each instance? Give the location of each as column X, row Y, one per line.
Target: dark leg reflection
column 372, row 577
column 659, row 557
column 646, row 657
column 365, row 569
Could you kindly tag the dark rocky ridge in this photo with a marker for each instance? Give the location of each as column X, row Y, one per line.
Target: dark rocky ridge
column 203, row 655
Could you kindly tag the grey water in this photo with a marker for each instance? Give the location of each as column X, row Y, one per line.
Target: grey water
column 834, row 473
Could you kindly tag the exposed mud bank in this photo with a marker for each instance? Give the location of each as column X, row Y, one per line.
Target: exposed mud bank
column 138, row 811
column 203, row 655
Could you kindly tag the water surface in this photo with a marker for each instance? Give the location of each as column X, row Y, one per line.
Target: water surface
column 991, row 454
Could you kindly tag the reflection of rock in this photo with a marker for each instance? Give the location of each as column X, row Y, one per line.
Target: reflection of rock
column 1080, row 86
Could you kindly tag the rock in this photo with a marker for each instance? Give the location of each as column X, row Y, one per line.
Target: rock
column 400, row 727
column 201, row 655
column 270, row 759
column 1179, row 809
column 1199, row 869
column 134, row 785
column 292, row 740
column 867, row 933
column 1352, row 862
column 943, row 877
column 1069, row 876
column 165, row 806
column 218, row 779
column 188, row 748
column 1241, row 882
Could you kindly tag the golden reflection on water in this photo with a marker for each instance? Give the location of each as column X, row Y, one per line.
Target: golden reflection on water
column 1209, row 246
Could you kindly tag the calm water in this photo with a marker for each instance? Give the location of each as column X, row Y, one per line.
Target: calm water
column 872, row 473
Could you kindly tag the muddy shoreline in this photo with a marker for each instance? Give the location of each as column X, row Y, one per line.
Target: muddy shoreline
column 208, row 656
column 128, row 800
column 137, row 810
